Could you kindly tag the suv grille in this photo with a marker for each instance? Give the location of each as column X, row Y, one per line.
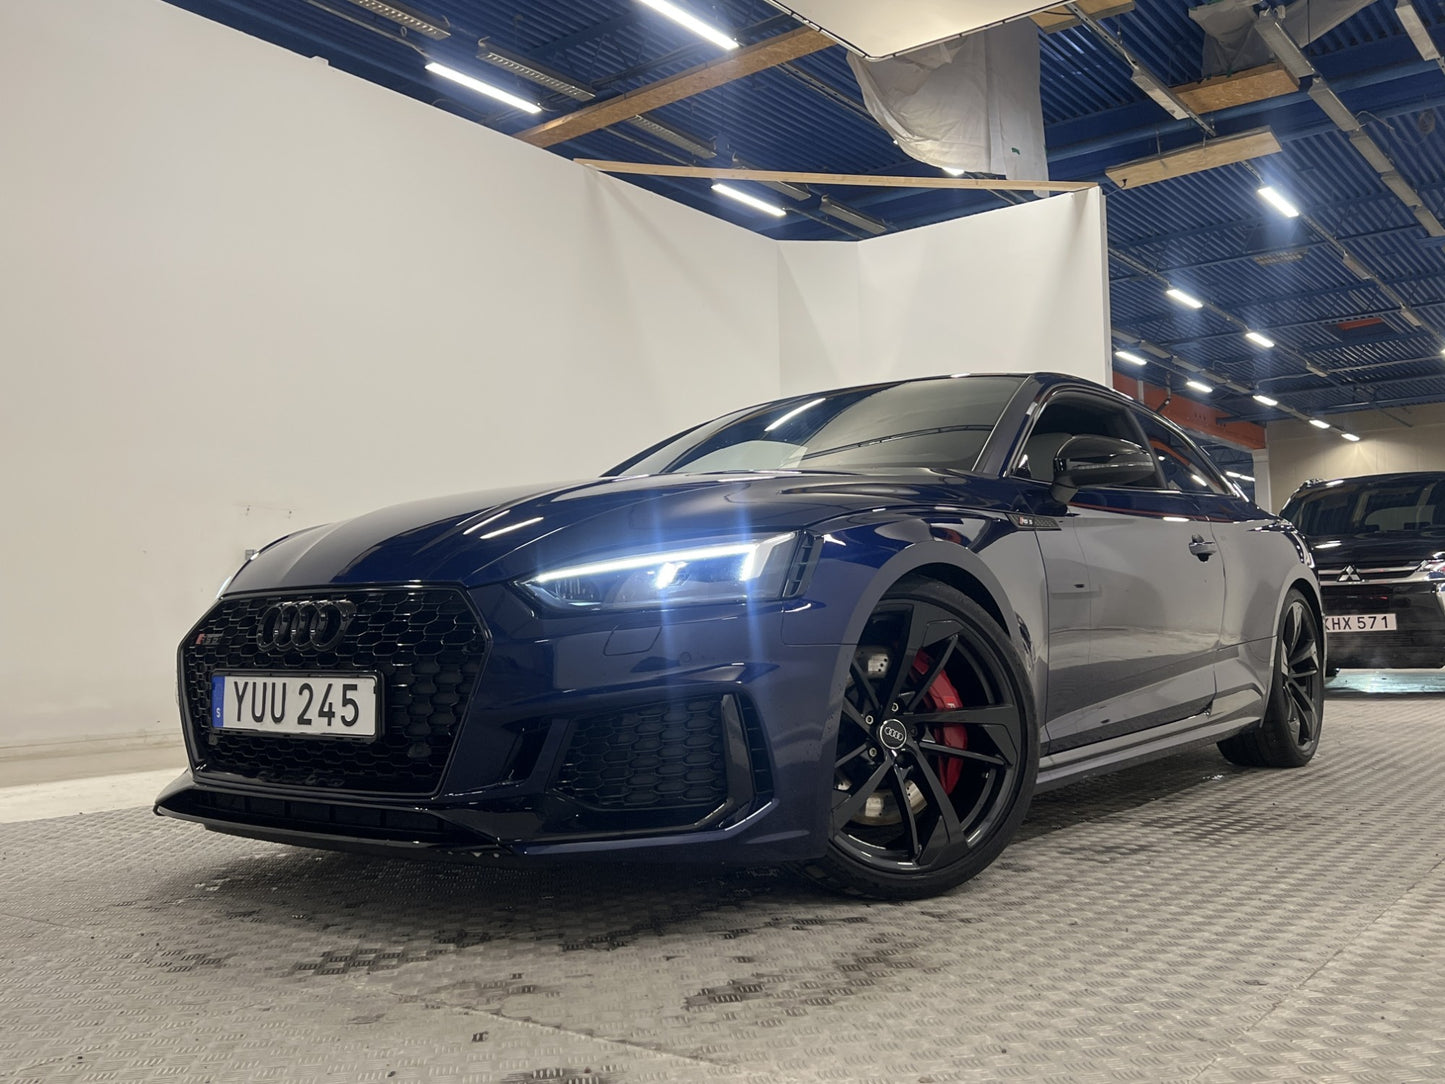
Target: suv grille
column 1344, row 575
column 426, row 645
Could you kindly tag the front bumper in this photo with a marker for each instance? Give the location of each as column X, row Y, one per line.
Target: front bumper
column 672, row 737
column 1418, row 640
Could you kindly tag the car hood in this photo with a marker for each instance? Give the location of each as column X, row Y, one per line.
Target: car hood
column 1377, row 550
column 493, row 535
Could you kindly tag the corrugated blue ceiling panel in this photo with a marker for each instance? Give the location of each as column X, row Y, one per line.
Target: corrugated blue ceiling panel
column 1208, row 232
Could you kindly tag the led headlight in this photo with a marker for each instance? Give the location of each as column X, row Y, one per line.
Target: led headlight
column 725, row 572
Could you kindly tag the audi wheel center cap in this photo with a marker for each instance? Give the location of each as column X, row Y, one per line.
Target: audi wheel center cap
column 892, row 734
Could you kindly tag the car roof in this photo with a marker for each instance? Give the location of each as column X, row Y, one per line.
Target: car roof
column 1370, row 479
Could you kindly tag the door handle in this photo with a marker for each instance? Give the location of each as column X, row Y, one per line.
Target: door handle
column 1202, row 549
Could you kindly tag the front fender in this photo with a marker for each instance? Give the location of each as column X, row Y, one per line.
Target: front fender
column 999, row 563
column 858, row 565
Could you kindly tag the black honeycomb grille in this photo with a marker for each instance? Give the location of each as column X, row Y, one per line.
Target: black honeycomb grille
column 665, row 755
column 426, row 645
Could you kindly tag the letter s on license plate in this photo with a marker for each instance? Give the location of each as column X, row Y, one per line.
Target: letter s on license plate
column 323, row 705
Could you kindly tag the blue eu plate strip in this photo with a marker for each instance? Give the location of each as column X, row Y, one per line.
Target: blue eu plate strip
column 218, row 701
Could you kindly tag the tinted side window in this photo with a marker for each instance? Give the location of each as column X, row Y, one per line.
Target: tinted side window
column 1183, row 466
column 1070, row 416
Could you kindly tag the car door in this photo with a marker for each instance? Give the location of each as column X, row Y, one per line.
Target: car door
column 1135, row 589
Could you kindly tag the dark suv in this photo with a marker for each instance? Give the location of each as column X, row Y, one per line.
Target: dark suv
column 1379, row 546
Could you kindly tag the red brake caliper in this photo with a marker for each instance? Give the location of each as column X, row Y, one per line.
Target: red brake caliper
column 942, row 696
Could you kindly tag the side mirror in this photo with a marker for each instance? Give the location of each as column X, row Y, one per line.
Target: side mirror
column 1088, row 460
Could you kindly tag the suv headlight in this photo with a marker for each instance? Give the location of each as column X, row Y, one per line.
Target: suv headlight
column 724, row 572
column 1432, row 568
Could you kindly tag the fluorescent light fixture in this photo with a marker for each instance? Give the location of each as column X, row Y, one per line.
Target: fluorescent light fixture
column 432, row 26
column 1334, row 108
column 1265, row 400
column 1319, row 423
column 462, row 79
column 1132, row 359
column 851, row 215
column 538, row 73
column 750, row 200
column 954, row 172
column 1356, row 268
column 1259, row 340
column 1161, row 95
column 792, row 191
column 696, row 146
column 1442, row 352
column 1269, row 27
column 1371, row 152
column 1426, row 218
column 1410, row 20
column 1271, row 196
column 1350, row 437
column 692, row 22
column 1184, row 299
column 1199, row 385
column 1401, row 187
column 1241, row 477
column 790, row 415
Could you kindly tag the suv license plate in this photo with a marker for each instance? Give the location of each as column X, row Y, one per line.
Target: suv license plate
column 335, row 705
column 1359, row 622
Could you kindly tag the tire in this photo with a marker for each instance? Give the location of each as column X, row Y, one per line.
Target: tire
column 1289, row 733
column 937, row 750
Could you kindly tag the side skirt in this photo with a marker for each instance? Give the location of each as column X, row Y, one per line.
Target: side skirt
column 1225, row 716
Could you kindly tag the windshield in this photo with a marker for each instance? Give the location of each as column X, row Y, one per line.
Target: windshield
column 1370, row 506
column 939, row 423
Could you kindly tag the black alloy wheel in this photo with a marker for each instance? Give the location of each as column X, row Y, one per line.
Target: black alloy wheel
column 937, row 748
column 1289, row 733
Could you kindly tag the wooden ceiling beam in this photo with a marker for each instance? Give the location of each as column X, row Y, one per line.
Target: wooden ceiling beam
column 723, row 173
column 1240, row 88
column 768, row 53
column 1061, row 18
column 1210, row 154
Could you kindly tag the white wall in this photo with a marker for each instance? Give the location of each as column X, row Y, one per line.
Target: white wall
column 1015, row 290
column 1298, row 451
column 241, row 292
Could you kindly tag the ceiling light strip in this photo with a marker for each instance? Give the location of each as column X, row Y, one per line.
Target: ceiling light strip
column 687, row 19
column 462, row 79
column 749, row 200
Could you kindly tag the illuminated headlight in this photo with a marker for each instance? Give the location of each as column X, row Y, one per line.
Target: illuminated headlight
column 726, row 572
column 1432, row 568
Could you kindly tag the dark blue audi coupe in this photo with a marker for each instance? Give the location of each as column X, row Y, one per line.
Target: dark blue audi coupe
column 853, row 632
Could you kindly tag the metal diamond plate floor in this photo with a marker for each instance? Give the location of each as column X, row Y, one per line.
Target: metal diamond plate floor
column 1185, row 921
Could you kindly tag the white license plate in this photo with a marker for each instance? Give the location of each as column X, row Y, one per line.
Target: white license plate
column 1359, row 622
column 336, row 705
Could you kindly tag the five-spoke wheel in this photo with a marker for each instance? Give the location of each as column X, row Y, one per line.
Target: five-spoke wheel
column 1289, row 733
column 937, row 750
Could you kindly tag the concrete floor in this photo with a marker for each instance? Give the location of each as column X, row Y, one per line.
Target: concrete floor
column 1183, row 921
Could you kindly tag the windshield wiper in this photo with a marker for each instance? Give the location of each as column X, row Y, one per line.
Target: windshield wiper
column 897, row 436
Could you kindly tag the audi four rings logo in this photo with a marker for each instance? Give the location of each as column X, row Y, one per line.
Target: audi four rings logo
column 304, row 625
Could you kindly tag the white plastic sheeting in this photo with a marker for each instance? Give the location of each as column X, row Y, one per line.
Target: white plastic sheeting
column 1231, row 44
column 875, row 29
column 970, row 104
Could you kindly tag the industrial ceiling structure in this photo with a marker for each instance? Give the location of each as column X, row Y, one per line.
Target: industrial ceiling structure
column 1338, row 307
